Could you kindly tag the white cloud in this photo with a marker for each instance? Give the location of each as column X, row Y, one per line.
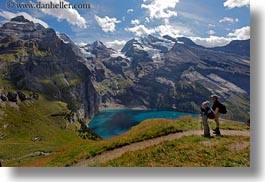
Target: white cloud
column 140, row 30
column 212, row 41
column 211, row 25
column 211, row 32
column 166, row 29
column 193, row 16
column 173, row 30
column 135, row 22
column 116, row 44
column 160, row 9
column 229, row 20
column 9, row 15
column 129, row 10
column 81, row 44
column 236, row 3
column 70, row 15
column 107, row 24
column 240, row 34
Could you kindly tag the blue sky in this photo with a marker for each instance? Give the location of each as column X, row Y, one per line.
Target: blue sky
column 207, row 22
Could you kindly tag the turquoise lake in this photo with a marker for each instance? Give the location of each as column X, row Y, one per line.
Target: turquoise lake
column 110, row 123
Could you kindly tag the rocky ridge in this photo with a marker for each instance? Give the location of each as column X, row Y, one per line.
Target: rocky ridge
column 38, row 59
column 171, row 74
column 152, row 72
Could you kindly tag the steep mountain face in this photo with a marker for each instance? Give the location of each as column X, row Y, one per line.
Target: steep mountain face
column 97, row 50
column 238, row 47
column 179, row 77
column 151, row 72
column 38, row 59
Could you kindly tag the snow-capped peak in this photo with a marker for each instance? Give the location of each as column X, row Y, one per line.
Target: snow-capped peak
column 154, row 46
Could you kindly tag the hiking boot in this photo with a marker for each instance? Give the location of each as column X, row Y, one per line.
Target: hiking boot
column 217, row 132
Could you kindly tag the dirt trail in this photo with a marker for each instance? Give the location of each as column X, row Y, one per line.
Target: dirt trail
column 110, row 155
column 33, row 154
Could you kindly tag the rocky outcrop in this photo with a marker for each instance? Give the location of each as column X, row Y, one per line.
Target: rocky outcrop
column 21, row 96
column 12, row 97
column 20, row 19
column 50, row 64
column 18, row 96
column 3, row 98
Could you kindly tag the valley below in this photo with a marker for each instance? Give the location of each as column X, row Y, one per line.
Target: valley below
column 51, row 87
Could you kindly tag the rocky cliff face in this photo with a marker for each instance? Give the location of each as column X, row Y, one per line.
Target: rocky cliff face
column 173, row 74
column 38, row 59
column 152, row 72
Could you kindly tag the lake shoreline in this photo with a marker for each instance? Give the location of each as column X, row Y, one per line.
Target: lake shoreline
column 112, row 122
column 114, row 106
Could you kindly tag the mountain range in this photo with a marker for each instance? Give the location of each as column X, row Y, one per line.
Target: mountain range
column 149, row 72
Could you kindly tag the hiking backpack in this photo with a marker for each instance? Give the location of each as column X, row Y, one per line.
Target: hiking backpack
column 222, row 109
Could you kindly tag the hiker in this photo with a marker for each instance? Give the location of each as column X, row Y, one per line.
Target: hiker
column 206, row 112
column 216, row 108
column 248, row 122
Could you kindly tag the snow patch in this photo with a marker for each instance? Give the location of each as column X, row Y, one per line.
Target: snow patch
column 118, row 54
column 154, row 46
column 86, row 53
column 245, row 61
column 62, row 38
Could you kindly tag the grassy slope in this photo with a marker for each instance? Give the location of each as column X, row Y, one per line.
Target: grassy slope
column 76, row 151
column 192, row 151
column 32, row 119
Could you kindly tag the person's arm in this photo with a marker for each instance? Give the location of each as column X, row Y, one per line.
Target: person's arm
column 216, row 111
